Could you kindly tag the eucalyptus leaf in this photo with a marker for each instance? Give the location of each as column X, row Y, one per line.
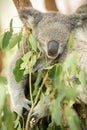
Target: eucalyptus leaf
column 55, row 71
column 15, row 38
column 6, row 39
column 17, row 125
column 1, row 40
column 72, row 119
column 70, row 61
column 3, row 80
column 33, row 42
column 71, row 93
column 3, row 83
column 81, row 77
column 70, row 41
column 33, row 61
column 36, row 84
column 10, row 118
column 56, row 112
column 11, row 26
column 29, row 60
column 27, row 56
column 18, row 73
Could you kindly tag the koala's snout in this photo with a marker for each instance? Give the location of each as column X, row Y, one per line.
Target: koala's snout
column 52, row 49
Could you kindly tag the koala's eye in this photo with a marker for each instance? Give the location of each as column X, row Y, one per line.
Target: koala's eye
column 52, row 48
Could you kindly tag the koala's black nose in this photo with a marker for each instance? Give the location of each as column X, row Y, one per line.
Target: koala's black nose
column 52, row 48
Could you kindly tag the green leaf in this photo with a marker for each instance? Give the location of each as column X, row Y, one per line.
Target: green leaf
column 27, row 56
column 1, row 40
column 42, row 99
column 55, row 71
column 56, row 112
column 33, row 42
column 3, row 80
column 2, row 97
column 52, row 126
column 18, row 73
column 33, row 61
column 81, row 77
column 3, row 83
column 70, row 61
column 3, row 127
column 56, row 74
column 58, row 70
column 19, row 127
column 71, row 93
column 72, row 119
column 29, row 60
column 17, row 123
column 36, row 85
column 61, row 94
column 15, row 38
column 11, row 25
column 38, row 79
column 9, row 122
column 6, row 39
column 70, row 41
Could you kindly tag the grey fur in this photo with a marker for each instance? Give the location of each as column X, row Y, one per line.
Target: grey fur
column 48, row 27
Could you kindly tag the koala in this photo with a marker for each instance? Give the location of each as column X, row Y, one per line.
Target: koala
column 52, row 30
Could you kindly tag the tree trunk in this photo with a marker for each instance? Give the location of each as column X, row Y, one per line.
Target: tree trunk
column 21, row 3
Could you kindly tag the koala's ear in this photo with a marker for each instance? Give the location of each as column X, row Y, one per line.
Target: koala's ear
column 79, row 16
column 82, row 10
column 30, row 16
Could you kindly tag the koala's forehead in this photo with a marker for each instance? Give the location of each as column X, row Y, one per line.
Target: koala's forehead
column 55, row 17
column 53, row 27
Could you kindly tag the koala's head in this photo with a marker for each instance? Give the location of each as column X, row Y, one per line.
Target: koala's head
column 51, row 29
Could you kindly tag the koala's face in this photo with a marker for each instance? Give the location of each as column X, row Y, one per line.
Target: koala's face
column 51, row 29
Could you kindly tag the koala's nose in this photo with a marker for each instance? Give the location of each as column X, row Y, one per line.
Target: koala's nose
column 52, row 48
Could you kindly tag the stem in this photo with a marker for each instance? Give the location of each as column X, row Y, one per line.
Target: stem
column 23, row 122
column 30, row 86
column 23, row 41
column 36, row 99
column 23, row 48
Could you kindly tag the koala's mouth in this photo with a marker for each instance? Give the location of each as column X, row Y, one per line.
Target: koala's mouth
column 52, row 57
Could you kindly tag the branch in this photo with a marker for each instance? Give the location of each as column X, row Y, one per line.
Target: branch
column 22, row 3
column 51, row 5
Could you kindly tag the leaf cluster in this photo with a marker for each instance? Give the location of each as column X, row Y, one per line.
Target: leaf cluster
column 58, row 81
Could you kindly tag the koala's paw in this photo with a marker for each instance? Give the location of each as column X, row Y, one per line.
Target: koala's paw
column 21, row 106
column 35, row 115
column 40, row 112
